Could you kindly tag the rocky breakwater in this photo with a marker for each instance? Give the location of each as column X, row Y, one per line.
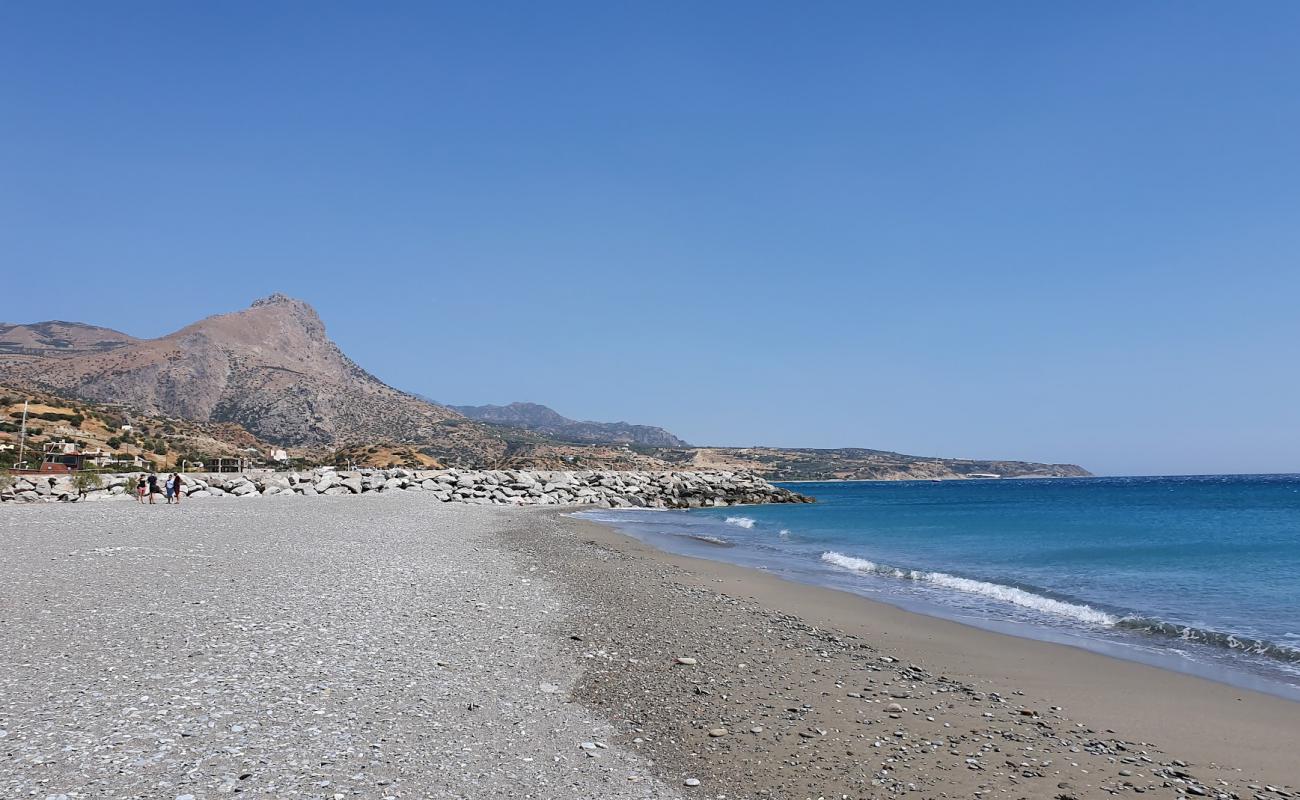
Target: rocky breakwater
column 488, row 487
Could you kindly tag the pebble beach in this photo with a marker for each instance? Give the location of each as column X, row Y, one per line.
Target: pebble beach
column 335, row 648
column 392, row 645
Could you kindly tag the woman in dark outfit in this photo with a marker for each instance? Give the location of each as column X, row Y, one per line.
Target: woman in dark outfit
column 153, row 487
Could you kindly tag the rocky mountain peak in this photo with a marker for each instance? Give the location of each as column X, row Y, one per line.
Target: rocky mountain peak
column 278, row 298
column 291, row 308
column 277, row 321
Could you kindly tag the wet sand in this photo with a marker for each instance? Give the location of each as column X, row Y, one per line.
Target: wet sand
column 827, row 694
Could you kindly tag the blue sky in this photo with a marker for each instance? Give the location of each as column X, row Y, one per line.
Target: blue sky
column 1023, row 230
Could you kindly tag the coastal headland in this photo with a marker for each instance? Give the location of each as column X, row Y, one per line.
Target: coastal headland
column 395, row 645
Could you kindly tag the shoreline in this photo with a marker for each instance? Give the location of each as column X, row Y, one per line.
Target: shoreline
column 1241, row 677
column 1241, row 735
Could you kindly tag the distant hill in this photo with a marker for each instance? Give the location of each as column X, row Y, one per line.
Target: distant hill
column 855, row 463
column 547, row 421
column 57, row 336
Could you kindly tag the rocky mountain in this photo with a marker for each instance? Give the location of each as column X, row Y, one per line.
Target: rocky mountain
column 271, row 368
column 547, row 421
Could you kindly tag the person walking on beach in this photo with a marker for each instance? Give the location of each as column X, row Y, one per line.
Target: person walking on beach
column 153, row 487
column 139, row 490
column 176, row 488
column 168, row 485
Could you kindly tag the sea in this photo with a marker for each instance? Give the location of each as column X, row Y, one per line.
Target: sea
column 1198, row 574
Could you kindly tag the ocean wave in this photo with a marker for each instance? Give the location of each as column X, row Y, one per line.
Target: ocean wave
column 1227, row 641
column 740, row 522
column 784, row 533
column 850, row 562
column 717, row 541
column 994, row 591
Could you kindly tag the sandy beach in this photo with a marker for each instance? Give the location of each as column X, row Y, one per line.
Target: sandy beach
column 396, row 646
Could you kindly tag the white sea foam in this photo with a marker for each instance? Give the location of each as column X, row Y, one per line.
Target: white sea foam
column 714, row 540
column 740, row 522
column 995, row 591
column 784, row 533
column 849, row 562
column 1020, row 597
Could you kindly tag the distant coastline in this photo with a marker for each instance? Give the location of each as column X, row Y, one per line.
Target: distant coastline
column 954, row 478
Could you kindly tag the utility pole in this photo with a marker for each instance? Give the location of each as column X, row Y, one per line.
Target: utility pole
column 22, row 437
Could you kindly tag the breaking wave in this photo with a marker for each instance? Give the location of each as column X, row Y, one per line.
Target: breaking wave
column 995, row 591
column 1076, row 611
column 716, row 541
column 1227, row 641
column 740, row 522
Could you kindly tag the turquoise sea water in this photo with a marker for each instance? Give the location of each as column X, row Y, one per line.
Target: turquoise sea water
column 1200, row 574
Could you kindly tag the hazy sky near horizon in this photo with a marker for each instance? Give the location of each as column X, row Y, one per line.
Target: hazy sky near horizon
column 1063, row 232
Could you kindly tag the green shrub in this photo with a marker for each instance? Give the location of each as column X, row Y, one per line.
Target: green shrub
column 6, row 480
column 85, row 481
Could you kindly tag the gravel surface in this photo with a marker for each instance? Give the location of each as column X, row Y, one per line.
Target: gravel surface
column 378, row 646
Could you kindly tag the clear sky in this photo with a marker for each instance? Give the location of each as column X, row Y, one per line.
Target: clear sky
column 1050, row 231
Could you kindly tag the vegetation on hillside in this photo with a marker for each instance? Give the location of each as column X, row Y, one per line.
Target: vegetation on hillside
column 167, row 443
